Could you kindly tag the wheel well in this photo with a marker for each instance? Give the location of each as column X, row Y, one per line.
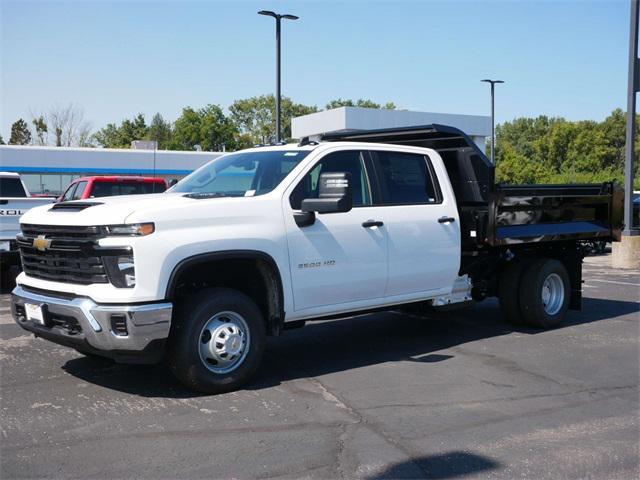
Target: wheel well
column 485, row 271
column 252, row 273
column 570, row 255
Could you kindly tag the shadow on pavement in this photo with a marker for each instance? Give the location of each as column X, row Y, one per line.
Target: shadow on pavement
column 339, row 345
column 144, row 380
column 445, row 465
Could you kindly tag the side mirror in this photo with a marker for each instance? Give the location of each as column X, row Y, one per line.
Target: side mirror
column 335, row 194
column 172, row 182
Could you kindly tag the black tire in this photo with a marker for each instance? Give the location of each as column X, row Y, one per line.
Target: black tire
column 531, row 289
column 184, row 341
column 509, row 288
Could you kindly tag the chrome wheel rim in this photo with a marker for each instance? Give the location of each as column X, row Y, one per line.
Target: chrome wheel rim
column 224, row 342
column 552, row 294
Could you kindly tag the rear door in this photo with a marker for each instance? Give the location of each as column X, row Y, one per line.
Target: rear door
column 421, row 220
column 341, row 259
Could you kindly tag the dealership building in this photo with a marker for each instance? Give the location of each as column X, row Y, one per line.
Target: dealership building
column 345, row 119
column 51, row 169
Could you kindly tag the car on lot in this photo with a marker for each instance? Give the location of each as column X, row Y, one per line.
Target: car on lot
column 264, row 239
column 15, row 200
column 111, row 186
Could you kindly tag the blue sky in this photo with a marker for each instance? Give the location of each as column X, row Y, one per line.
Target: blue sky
column 115, row 59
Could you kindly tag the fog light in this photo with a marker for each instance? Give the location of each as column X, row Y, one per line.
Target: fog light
column 121, row 271
column 119, row 324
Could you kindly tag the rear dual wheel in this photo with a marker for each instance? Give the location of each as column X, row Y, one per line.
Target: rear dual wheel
column 535, row 292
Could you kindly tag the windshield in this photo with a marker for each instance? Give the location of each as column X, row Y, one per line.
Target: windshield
column 242, row 174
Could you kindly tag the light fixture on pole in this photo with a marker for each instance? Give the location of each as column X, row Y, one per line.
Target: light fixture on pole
column 278, row 18
column 493, row 117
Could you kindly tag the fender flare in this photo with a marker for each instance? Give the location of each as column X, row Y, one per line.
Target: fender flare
column 189, row 262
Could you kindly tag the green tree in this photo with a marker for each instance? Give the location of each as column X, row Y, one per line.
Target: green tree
column 514, row 167
column 255, row 117
column 2, row 141
column 523, row 133
column 113, row 136
column 41, row 129
column 20, row 134
column 362, row 103
column 554, row 150
column 109, row 136
column 160, row 131
column 207, row 127
column 588, row 150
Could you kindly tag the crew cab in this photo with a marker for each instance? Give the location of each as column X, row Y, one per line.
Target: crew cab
column 267, row 238
column 15, row 200
column 111, row 186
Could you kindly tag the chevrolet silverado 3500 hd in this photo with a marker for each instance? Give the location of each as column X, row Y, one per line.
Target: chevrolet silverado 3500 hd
column 269, row 237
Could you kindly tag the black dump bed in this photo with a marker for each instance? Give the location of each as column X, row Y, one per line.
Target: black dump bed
column 494, row 215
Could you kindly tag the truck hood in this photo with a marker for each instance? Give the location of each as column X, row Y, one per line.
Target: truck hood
column 103, row 211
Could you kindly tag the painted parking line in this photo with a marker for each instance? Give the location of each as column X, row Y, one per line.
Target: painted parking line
column 616, row 282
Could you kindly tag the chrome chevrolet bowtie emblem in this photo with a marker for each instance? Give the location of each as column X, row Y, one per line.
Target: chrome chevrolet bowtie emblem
column 41, row 243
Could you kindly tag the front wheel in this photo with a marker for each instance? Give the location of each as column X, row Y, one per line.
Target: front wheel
column 217, row 340
column 544, row 293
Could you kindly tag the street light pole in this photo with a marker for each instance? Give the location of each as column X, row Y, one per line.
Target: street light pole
column 632, row 89
column 493, row 117
column 278, row 76
column 278, row 17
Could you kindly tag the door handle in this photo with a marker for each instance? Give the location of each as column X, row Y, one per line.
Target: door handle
column 446, row 220
column 372, row 223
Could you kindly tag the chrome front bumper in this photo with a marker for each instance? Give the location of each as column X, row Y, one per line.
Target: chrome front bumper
column 82, row 324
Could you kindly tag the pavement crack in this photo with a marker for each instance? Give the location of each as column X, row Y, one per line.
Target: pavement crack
column 343, row 436
column 507, row 364
column 361, row 421
column 510, row 398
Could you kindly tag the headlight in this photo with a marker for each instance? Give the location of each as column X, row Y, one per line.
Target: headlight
column 134, row 229
column 121, row 271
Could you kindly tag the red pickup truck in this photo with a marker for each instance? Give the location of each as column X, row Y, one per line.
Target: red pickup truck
column 110, row 186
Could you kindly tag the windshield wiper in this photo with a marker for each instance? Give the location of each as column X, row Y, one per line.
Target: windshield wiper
column 205, row 195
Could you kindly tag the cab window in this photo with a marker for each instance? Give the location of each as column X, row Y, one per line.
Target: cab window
column 68, row 195
column 349, row 161
column 77, row 195
column 405, row 178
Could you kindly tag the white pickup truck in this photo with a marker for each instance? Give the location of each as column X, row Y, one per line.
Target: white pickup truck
column 267, row 238
column 14, row 202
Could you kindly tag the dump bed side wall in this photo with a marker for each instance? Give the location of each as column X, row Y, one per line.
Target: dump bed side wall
column 546, row 213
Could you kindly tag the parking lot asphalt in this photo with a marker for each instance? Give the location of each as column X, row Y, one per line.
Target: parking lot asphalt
column 378, row 396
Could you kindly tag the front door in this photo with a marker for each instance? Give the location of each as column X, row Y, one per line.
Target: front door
column 340, row 259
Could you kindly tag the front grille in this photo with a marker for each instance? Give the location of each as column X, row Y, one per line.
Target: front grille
column 72, row 256
column 62, row 232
